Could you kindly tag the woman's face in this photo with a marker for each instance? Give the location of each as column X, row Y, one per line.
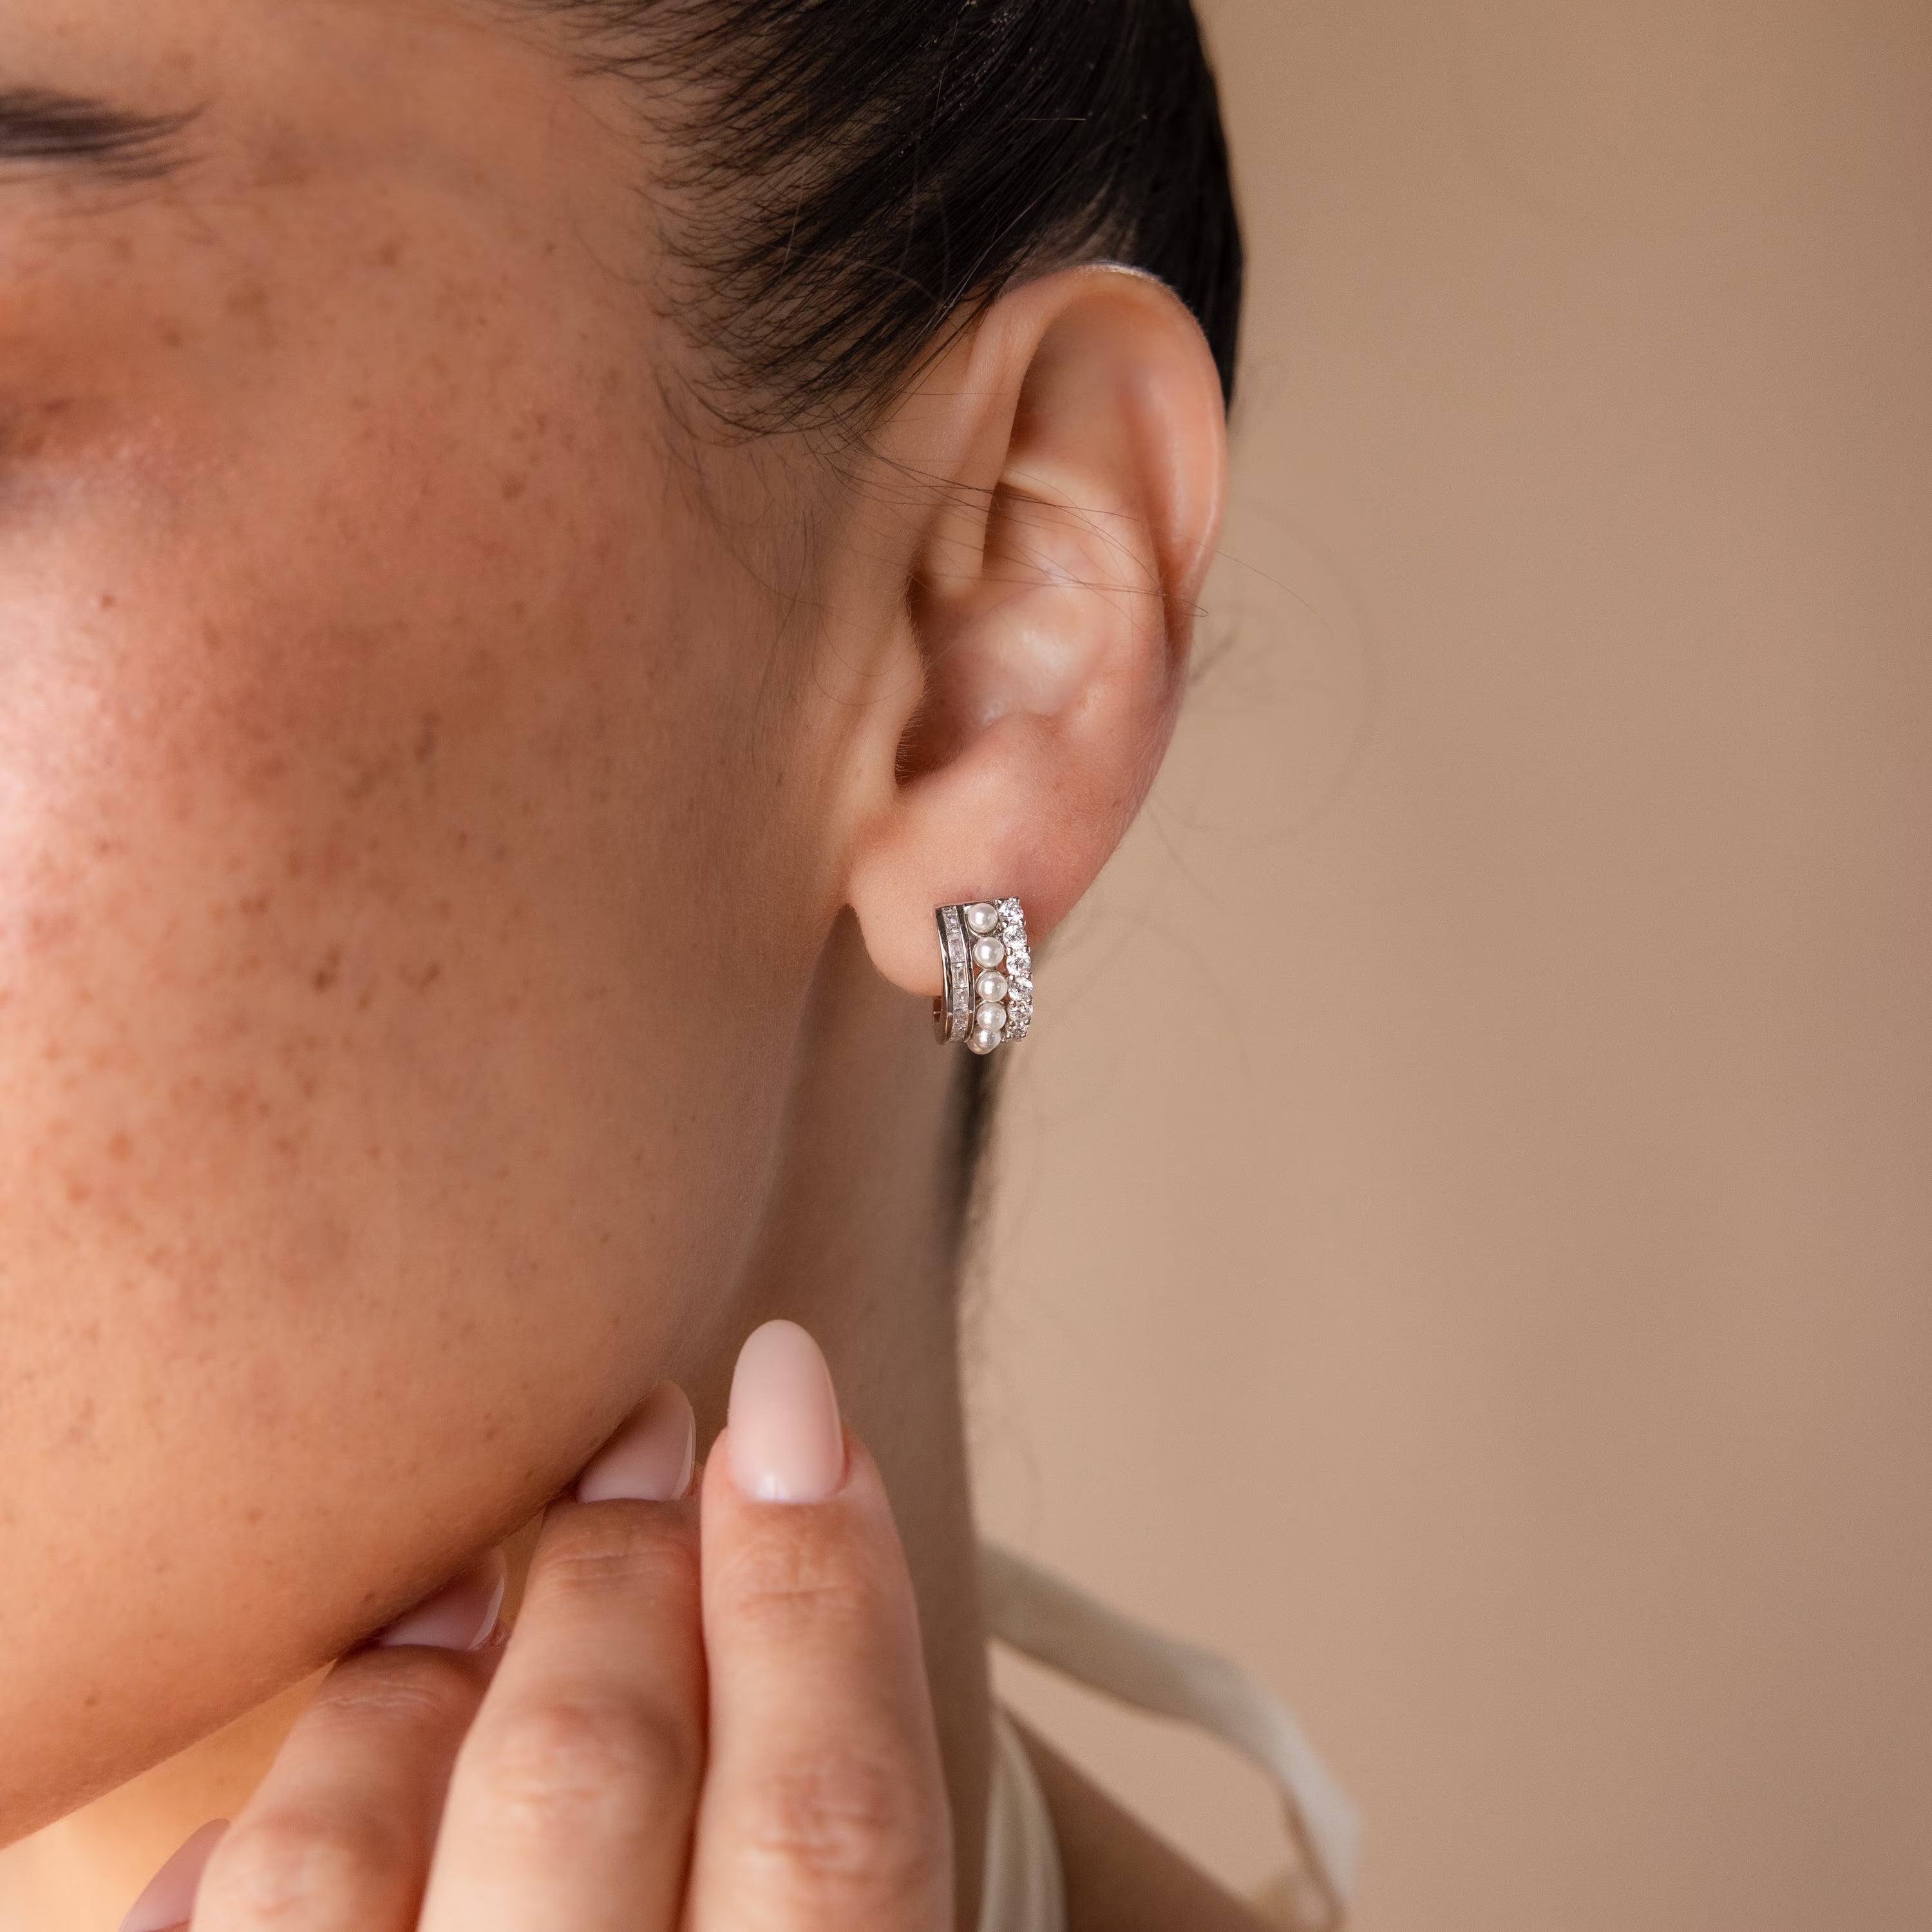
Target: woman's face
column 396, row 917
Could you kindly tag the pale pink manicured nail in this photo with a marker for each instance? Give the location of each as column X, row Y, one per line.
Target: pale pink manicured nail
column 460, row 1615
column 784, row 1441
column 649, row 1460
column 168, row 1899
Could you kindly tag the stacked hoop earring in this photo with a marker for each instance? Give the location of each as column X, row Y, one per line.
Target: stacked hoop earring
column 988, row 967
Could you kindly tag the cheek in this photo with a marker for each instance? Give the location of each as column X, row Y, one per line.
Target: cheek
column 382, row 1076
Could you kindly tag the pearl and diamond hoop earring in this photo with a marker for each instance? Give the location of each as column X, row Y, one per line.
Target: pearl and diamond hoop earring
column 988, row 963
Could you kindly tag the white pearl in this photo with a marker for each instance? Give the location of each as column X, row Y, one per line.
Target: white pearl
column 984, row 1040
column 991, row 986
column 991, row 1018
column 982, row 918
column 988, row 952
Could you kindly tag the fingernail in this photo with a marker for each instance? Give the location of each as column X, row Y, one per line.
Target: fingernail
column 168, row 1899
column 460, row 1616
column 784, row 1441
column 649, row 1460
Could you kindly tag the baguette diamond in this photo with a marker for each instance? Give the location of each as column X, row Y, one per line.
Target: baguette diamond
column 953, row 1012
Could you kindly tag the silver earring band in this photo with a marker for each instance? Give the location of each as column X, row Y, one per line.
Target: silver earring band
column 989, row 966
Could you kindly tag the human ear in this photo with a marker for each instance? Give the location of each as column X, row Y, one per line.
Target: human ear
column 1075, row 442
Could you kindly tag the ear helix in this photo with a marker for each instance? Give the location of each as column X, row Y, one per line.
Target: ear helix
column 987, row 963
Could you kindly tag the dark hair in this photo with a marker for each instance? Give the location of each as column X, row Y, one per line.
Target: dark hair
column 847, row 181
column 844, row 179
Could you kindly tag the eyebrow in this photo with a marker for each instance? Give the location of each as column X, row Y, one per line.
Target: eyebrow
column 42, row 129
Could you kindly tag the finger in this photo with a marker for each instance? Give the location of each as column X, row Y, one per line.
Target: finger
column 167, row 1902
column 824, row 1806
column 338, row 1837
column 572, row 1799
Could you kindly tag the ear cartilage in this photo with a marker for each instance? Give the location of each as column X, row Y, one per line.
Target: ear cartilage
column 988, row 966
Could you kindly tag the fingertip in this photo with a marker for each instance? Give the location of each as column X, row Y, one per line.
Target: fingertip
column 651, row 1458
column 167, row 1901
column 784, row 1441
column 460, row 1616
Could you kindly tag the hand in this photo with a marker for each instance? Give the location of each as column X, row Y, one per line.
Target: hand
column 712, row 1715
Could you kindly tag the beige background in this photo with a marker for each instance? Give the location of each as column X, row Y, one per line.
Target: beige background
column 1465, row 1235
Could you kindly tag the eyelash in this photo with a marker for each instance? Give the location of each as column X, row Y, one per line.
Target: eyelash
column 38, row 125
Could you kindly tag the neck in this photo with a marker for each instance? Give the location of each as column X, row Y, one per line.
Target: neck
column 860, row 1246
column 855, row 1242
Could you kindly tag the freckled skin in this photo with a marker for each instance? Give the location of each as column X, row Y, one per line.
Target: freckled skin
column 382, row 1065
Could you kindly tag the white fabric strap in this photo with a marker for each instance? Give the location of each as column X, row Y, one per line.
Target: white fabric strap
column 1025, row 1890
column 1065, row 1627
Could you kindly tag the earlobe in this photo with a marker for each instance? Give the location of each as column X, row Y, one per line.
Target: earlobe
column 1077, row 440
